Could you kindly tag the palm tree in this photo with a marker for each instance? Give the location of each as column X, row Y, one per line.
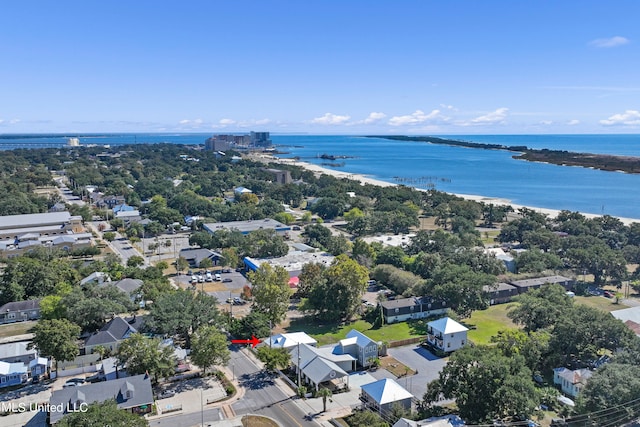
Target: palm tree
column 324, row 393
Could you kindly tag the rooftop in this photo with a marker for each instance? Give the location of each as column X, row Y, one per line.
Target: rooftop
column 33, row 220
column 386, row 391
column 539, row 281
column 447, row 325
column 294, row 260
column 247, row 226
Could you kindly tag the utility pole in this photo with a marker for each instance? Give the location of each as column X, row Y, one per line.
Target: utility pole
column 299, row 370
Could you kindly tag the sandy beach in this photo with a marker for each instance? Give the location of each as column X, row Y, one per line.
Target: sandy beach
column 368, row 180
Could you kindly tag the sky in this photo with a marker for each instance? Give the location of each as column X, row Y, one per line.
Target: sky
column 320, row 67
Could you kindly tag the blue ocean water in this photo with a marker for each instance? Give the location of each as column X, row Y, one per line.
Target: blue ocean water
column 489, row 173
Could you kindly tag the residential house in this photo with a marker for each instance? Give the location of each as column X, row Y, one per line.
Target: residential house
column 302, row 354
column 382, row 395
column 630, row 317
column 507, row 259
column 112, row 334
column 13, row 374
column 122, row 207
column 195, row 256
column 400, row 310
column 446, row 334
column 239, row 191
column 97, row 277
column 571, row 382
column 19, row 311
column 18, row 352
column 500, row 293
column 358, row 345
column 129, row 217
column 537, row 282
column 315, row 369
column 289, row 341
column 131, row 394
column 127, row 286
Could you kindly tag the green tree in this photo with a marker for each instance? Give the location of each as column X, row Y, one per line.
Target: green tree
column 109, row 236
column 338, row 295
column 366, row 419
column 90, row 308
column 271, row 291
column 611, row 385
column 310, row 276
column 532, row 346
column 181, row 264
column 253, row 324
column 324, row 393
column 140, row 354
column 540, row 308
column 486, row 385
column 182, row 313
column 209, row 347
column 56, row 338
column 102, row 414
column 284, row 217
column 273, row 358
column 135, row 261
column 206, row 263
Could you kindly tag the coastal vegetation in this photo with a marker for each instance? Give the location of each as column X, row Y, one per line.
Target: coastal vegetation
column 605, row 162
column 537, row 332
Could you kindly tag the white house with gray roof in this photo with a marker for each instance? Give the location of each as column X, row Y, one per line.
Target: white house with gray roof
column 316, row 368
column 383, row 394
column 18, row 311
column 446, row 334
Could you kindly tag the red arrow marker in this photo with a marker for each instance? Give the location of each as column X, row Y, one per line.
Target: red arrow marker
column 253, row 341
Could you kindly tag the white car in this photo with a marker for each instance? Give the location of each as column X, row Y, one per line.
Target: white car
column 218, row 277
column 208, row 277
column 200, row 278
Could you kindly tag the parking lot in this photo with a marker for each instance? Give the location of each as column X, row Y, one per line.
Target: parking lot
column 421, row 360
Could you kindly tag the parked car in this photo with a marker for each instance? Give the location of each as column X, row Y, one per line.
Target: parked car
column 227, row 280
column 76, row 381
column 218, row 277
column 165, row 394
column 209, row 278
column 194, row 279
column 35, row 379
column 608, row 294
column 200, row 278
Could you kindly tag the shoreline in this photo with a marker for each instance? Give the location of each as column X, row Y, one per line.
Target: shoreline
column 364, row 179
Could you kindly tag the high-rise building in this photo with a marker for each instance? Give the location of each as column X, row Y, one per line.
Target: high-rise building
column 260, row 139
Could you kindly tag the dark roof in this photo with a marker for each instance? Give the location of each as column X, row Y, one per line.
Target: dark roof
column 139, row 386
column 539, row 281
column 32, row 304
column 117, row 329
column 498, row 287
column 198, row 254
column 407, row 302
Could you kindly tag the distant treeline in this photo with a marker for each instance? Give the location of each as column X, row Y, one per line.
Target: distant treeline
column 606, row 162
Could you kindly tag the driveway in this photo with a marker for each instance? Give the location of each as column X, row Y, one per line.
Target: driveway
column 427, row 366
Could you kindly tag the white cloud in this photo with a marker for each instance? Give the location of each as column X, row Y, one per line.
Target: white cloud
column 609, row 42
column 494, row 117
column 448, row 107
column 4, row 122
column 629, row 118
column 191, row 122
column 374, row 117
column 331, row 119
column 573, row 122
column 227, row 122
column 546, row 122
column 262, row 122
column 417, row 116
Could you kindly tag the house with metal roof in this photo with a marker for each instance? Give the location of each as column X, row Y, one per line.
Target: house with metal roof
column 358, row 345
column 288, row 340
column 195, row 256
column 13, row 374
column 18, row 311
column 382, row 395
column 446, row 334
column 571, row 382
column 400, row 310
column 131, row 394
column 315, row 369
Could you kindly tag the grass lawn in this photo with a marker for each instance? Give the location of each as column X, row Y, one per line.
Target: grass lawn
column 488, row 322
column 258, row 421
column 602, row 303
column 17, row 328
column 331, row 333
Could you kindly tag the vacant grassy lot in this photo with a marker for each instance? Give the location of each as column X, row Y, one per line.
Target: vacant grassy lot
column 602, row 303
column 486, row 323
column 331, row 333
column 18, row 328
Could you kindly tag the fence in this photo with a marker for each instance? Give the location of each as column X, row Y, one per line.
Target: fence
column 408, row 341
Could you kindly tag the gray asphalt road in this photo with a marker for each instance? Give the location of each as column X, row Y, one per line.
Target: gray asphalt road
column 261, row 397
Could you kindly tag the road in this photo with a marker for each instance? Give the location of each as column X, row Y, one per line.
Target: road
column 262, row 397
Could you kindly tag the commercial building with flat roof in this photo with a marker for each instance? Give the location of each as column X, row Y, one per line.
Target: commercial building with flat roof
column 246, row 227
column 292, row 261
